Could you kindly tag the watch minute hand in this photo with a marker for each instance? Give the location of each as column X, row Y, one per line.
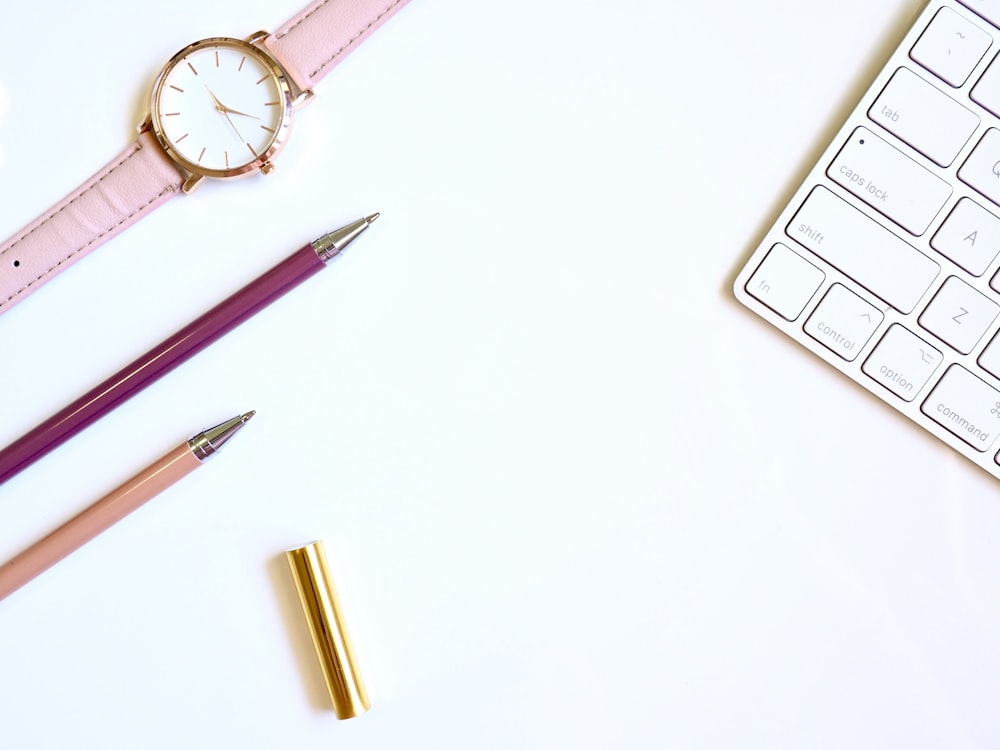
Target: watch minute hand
column 227, row 110
column 237, row 112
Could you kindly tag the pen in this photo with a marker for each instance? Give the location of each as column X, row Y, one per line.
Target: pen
column 114, row 506
column 177, row 349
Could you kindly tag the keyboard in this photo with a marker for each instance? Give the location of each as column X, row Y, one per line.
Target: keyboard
column 886, row 261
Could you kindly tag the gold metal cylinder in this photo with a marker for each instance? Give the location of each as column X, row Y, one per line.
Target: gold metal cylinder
column 329, row 632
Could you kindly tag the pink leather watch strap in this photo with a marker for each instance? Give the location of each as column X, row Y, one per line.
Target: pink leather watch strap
column 142, row 177
column 133, row 183
column 311, row 44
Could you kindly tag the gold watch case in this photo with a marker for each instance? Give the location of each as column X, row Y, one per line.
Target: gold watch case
column 162, row 119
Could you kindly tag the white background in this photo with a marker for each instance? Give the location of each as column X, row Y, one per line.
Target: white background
column 573, row 495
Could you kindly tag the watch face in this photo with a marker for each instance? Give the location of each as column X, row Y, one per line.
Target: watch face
column 221, row 107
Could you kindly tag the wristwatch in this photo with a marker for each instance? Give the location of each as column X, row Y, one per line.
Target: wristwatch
column 221, row 108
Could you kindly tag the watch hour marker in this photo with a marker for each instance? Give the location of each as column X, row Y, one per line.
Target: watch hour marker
column 242, row 60
column 171, row 114
column 263, row 79
column 192, row 68
column 271, row 104
column 182, row 138
column 269, row 130
column 251, row 149
column 201, row 155
column 226, row 154
column 216, row 58
column 176, row 88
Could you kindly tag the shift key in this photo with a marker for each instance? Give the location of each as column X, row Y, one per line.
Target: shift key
column 862, row 249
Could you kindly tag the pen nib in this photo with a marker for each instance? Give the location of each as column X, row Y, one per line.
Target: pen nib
column 332, row 244
column 210, row 442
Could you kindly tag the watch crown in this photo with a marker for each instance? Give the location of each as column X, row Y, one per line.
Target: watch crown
column 266, row 168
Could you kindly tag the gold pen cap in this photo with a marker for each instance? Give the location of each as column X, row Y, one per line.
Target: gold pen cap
column 329, row 632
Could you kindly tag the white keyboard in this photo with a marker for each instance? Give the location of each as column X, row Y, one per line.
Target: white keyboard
column 886, row 262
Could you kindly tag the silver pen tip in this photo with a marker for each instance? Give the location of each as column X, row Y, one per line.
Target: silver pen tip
column 332, row 244
column 209, row 442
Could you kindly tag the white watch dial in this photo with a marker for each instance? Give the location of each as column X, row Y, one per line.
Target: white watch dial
column 221, row 107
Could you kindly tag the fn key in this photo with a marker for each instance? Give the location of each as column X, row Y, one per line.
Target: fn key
column 785, row 282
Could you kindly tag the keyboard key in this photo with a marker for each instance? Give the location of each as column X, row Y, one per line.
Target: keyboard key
column 985, row 91
column 989, row 360
column 966, row 406
column 889, row 181
column 951, row 47
column 843, row 322
column 959, row 315
column 970, row 236
column 902, row 362
column 981, row 170
column 863, row 249
column 924, row 117
column 988, row 9
column 785, row 282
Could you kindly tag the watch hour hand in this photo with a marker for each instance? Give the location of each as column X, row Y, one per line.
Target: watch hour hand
column 218, row 105
column 223, row 110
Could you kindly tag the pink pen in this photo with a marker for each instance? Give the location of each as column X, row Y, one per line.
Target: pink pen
column 117, row 504
column 177, row 349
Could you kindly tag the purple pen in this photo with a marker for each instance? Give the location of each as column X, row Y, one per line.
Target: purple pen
column 177, row 349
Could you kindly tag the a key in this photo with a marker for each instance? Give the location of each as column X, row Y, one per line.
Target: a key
column 966, row 406
column 986, row 91
column 989, row 360
column 970, row 236
column 988, row 9
column 924, row 117
column 889, row 181
column 982, row 169
column 951, row 47
column 785, row 282
column 864, row 250
column 959, row 315
column 902, row 362
column 843, row 322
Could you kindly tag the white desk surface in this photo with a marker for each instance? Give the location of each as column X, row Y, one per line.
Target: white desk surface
column 573, row 495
